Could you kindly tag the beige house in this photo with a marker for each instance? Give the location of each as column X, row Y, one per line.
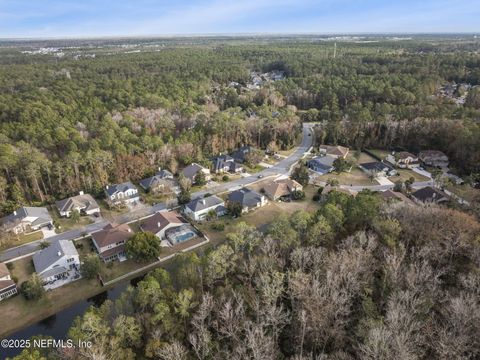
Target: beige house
column 281, row 188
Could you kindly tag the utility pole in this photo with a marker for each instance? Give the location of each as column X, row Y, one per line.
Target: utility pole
column 335, row 50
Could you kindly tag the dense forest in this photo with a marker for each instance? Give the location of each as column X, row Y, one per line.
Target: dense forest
column 77, row 123
column 356, row 280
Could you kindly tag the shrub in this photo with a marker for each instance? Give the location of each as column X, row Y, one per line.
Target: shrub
column 225, row 178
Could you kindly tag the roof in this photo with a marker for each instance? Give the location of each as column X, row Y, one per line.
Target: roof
column 282, row 187
column 48, row 256
column 84, row 201
column 241, row 153
column 161, row 220
column 4, row 270
column 113, row 189
column 404, row 155
column 335, row 150
column 111, row 234
column 153, row 181
column 432, row 154
column 393, row 195
column 376, row 166
column 5, row 284
column 191, row 170
column 116, row 250
column 222, row 161
column 164, row 174
column 40, row 213
column 322, row 162
column 200, row 204
column 430, row 194
column 246, row 197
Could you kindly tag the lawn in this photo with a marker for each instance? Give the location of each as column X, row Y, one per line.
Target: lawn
column 405, row 174
column 354, row 177
column 22, row 269
column 466, row 192
column 20, row 239
column 109, row 213
column 17, row 312
column 382, row 154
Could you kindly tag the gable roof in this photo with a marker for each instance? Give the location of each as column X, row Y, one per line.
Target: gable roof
column 241, row 153
column 430, row 194
column 153, row 181
column 282, row 187
column 402, row 155
column 164, row 174
column 84, row 201
column 41, row 213
column 199, row 204
column 437, row 154
column 322, row 162
column 111, row 234
column 191, row 170
column 376, row 166
column 222, row 161
column 335, row 150
column 246, row 197
column 48, row 256
column 115, row 188
column 394, row 195
column 161, row 220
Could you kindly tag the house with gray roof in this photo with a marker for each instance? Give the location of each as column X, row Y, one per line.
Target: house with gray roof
column 57, row 264
column 321, row 164
column 125, row 192
column 430, row 195
column 248, row 199
column 26, row 219
column 164, row 174
column 226, row 163
column 85, row 204
column 157, row 184
column 199, row 208
column 191, row 171
column 378, row 168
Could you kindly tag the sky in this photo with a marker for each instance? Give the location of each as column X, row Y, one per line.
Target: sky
column 97, row 18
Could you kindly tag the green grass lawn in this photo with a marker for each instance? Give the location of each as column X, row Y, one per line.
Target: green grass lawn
column 466, row 192
column 405, row 174
column 354, row 177
column 382, row 154
column 20, row 239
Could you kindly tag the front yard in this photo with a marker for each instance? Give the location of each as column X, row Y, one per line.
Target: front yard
column 20, row 239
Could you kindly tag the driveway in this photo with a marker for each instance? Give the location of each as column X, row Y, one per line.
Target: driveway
column 382, row 180
column 422, row 172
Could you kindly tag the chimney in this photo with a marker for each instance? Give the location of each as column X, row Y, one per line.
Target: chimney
column 81, row 192
column 158, row 224
column 203, row 202
column 159, row 168
column 129, row 230
column 106, row 187
column 59, row 254
column 15, row 213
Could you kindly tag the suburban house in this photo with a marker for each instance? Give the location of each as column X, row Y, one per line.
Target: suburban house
column 226, row 163
column 85, row 204
column 433, row 158
column 378, row 168
column 240, row 155
column 7, row 285
column 191, row 171
column 321, row 164
column 198, row 209
column 164, row 174
column 334, row 151
column 279, row 189
column 170, row 227
column 125, row 192
column 394, row 196
column 430, row 195
column 57, row 264
column 26, row 219
column 110, row 241
column 157, row 184
column 403, row 160
column 248, row 199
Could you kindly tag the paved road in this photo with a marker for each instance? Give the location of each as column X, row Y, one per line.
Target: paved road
column 281, row 168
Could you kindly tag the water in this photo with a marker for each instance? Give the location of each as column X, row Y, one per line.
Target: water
column 58, row 324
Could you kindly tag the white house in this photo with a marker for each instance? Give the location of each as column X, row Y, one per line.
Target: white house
column 26, row 219
column 85, row 204
column 403, row 160
column 58, row 264
column 125, row 192
column 198, row 209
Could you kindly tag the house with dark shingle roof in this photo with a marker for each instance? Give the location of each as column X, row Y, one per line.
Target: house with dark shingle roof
column 430, row 194
column 57, row 264
column 191, row 171
column 122, row 193
column 378, row 168
column 321, row 164
column 156, row 184
column 226, row 163
column 83, row 203
column 248, row 199
column 7, row 285
column 240, row 155
column 110, row 241
column 395, row 196
column 434, row 158
column 25, row 219
column 281, row 188
column 198, row 209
